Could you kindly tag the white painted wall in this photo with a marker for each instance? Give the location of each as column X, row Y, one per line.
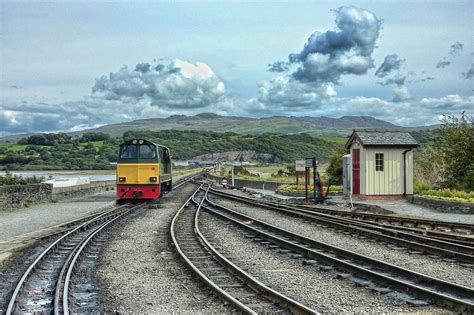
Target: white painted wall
column 390, row 180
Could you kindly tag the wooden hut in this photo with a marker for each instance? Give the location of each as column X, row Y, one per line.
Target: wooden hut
column 382, row 164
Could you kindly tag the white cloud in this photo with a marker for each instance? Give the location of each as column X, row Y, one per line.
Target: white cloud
column 179, row 84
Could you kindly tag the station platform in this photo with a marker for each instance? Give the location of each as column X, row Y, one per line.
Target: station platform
column 21, row 226
column 400, row 207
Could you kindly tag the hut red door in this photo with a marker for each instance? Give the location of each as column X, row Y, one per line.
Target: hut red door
column 356, row 171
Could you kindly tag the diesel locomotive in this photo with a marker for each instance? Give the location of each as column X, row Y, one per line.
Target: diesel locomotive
column 143, row 170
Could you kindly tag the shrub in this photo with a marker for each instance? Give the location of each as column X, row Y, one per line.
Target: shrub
column 420, row 186
column 334, row 170
column 301, row 188
column 11, row 179
column 448, row 194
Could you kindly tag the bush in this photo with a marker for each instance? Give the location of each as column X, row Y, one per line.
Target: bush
column 456, row 146
column 449, row 194
column 94, row 136
column 420, row 186
column 334, row 170
column 301, row 188
column 11, row 179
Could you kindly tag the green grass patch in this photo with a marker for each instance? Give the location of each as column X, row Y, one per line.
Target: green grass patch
column 448, row 194
column 301, row 188
column 339, row 140
column 13, row 147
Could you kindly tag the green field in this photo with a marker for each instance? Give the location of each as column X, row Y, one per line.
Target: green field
column 269, row 173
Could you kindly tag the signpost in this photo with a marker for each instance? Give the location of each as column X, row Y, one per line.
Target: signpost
column 308, row 164
column 299, row 168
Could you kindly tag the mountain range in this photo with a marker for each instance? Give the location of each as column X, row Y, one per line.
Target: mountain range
column 316, row 126
column 247, row 125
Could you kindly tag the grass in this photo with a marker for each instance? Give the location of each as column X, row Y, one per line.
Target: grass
column 448, row 194
column 301, row 188
column 13, row 147
column 339, row 140
column 265, row 173
column 97, row 144
column 427, row 190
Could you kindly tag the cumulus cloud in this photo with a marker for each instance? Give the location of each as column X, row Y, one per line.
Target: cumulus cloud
column 443, row 64
column 278, row 66
column 397, row 80
column 391, row 62
column 348, row 50
column 178, row 87
column 400, row 94
column 179, row 84
column 469, row 74
column 284, row 93
column 318, row 67
column 456, row 49
column 428, row 110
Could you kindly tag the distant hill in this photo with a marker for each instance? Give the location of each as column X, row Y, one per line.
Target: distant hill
column 246, row 125
column 315, row 126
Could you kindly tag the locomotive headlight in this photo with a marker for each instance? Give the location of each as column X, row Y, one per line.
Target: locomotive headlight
column 122, row 179
column 140, row 141
column 153, row 179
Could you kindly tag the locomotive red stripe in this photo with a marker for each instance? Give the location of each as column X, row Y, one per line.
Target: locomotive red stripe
column 138, row 191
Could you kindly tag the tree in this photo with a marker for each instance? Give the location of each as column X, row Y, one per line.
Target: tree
column 456, row 147
column 334, row 169
column 94, row 136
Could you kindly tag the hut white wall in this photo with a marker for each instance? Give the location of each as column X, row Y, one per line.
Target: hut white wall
column 390, row 180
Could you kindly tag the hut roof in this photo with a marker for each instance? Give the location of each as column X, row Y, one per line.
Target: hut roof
column 382, row 138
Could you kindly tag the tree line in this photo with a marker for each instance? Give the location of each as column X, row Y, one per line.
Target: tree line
column 98, row 150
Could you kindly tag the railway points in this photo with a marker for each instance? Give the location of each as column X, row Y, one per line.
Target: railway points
column 244, row 292
column 233, row 287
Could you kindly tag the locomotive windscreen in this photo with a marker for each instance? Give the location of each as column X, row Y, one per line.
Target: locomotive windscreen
column 138, row 151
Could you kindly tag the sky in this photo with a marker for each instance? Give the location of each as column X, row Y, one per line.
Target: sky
column 73, row 65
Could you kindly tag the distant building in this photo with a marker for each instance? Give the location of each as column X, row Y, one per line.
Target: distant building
column 181, row 163
column 381, row 164
column 197, row 163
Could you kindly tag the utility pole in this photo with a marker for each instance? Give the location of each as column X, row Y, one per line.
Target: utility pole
column 233, row 184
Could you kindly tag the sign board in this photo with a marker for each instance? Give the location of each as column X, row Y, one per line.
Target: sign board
column 309, row 162
column 300, row 165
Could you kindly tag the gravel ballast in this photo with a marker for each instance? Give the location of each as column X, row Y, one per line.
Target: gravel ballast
column 141, row 273
column 306, row 284
column 435, row 267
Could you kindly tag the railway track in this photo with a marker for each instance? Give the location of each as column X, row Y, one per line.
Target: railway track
column 236, row 287
column 380, row 276
column 47, row 285
column 419, row 243
column 461, row 233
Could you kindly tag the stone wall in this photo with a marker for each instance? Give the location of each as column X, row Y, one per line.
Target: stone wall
column 444, row 205
column 62, row 193
column 18, row 196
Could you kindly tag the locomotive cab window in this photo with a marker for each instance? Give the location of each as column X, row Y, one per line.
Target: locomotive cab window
column 379, row 162
column 128, row 151
column 147, row 151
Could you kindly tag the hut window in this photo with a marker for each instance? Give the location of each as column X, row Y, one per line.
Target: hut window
column 379, row 162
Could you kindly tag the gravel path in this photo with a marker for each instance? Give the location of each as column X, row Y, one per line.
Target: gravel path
column 434, row 267
column 141, row 272
column 306, row 284
column 39, row 216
